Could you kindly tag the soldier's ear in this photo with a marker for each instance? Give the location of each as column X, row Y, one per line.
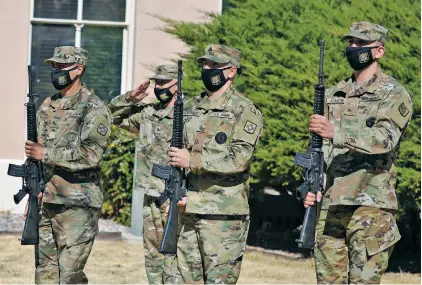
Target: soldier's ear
column 379, row 52
column 81, row 70
column 232, row 71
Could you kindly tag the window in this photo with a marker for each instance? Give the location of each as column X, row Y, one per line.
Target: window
column 225, row 4
column 103, row 27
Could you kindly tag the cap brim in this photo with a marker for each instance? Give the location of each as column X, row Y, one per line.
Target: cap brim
column 357, row 35
column 161, row 77
column 211, row 58
column 56, row 59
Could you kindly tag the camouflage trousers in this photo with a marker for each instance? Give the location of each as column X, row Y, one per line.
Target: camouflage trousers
column 211, row 247
column 67, row 234
column 353, row 244
column 160, row 269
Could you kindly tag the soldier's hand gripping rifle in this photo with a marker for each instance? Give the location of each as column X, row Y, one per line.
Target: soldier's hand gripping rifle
column 32, row 177
column 175, row 183
column 312, row 163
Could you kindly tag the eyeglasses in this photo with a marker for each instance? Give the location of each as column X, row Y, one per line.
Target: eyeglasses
column 61, row 66
column 359, row 42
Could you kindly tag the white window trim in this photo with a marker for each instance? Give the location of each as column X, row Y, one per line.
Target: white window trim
column 128, row 39
column 78, row 27
column 220, row 7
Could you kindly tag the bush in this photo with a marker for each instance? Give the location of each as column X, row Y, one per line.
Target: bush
column 117, row 176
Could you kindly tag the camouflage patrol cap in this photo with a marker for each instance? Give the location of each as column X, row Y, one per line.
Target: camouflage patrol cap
column 69, row 54
column 165, row 72
column 367, row 31
column 221, row 54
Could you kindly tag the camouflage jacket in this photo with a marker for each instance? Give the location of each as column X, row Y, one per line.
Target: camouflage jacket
column 369, row 119
column 221, row 137
column 154, row 124
column 74, row 131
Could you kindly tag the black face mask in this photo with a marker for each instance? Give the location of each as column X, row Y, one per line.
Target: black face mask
column 61, row 78
column 359, row 57
column 213, row 79
column 163, row 94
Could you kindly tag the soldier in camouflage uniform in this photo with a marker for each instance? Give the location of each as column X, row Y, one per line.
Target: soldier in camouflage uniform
column 154, row 123
column 222, row 128
column 366, row 116
column 73, row 128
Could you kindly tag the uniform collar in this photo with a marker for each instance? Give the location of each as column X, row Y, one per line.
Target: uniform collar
column 216, row 104
column 69, row 102
column 164, row 113
column 352, row 89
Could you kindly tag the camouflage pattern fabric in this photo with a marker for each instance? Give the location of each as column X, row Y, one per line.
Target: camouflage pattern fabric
column 153, row 233
column 369, row 120
column 160, row 269
column 154, row 124
column 353, row 244
column 69, row 54
column 356, row 230
column 211, row 247
column 165, row 72
column 67, row 234
column 74, row 131
column 367, row 31
column 122, row 108
column 221, row 54
column 221, row 135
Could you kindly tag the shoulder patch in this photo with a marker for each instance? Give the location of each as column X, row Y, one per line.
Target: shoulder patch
column 249, row 127
column 102, row 130
column 403, row 110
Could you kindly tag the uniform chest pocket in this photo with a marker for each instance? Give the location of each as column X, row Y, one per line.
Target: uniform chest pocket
column 368, row 107
column 68, row 125
column 193, row 129
column 162, row 134
column 361, row 112
column 335, row 109
column 351, row 116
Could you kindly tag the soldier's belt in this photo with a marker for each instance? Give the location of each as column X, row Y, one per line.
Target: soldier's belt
column 194, row 180
column 91, row 175
column 217, row 217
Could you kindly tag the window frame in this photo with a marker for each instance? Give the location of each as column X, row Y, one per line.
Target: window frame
column 128, row 38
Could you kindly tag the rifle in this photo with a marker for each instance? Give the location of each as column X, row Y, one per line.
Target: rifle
column 32, row 177
column 175, row 182
column 312, row 163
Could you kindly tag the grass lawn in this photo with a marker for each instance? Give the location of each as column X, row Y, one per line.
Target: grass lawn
column 114, row 262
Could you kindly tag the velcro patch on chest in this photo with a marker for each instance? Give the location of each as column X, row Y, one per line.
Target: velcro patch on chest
column 102, row 130
column 227, row 115
column 249, row 127
column 370, row 122
column 220, row 137
column 335, row 100
column 403, row 110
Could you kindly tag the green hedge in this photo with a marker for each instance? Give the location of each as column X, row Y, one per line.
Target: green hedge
column 117, row 176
